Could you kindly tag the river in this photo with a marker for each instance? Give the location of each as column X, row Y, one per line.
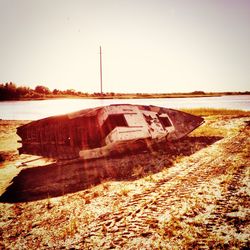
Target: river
column 32, row 110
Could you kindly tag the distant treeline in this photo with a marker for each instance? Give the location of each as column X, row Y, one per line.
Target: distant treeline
column 10, row 91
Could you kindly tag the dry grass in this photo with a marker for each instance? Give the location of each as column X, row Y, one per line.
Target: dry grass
column 211, row 111
column 124, row 191
column 106, row 215
column 218, row 125
column 207, row 130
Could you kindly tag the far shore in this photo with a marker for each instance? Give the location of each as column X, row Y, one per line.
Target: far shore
column 127, row 96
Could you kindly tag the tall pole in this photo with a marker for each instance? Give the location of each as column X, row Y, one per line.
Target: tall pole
column 101, row 68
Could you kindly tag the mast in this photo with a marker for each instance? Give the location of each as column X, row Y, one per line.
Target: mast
column 101, row 68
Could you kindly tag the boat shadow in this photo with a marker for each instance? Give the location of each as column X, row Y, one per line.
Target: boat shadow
column 58, row 179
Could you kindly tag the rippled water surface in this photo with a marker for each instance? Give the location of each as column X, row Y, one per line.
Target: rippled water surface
column 32, row 110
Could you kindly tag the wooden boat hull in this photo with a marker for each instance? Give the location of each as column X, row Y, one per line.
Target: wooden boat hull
column 103, row 131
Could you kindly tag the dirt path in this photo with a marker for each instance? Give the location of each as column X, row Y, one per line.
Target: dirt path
column 201, row 202
column 181, row 195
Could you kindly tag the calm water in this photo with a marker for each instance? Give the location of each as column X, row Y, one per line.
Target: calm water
column 32, row 110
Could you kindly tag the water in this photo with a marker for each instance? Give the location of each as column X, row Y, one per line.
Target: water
column 32, row 110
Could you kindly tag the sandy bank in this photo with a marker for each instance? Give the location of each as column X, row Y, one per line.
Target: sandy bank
column 194, row 193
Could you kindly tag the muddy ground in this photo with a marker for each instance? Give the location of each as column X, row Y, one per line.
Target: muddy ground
column 191, row 194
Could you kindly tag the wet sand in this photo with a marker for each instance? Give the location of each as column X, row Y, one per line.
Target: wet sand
column 193, row 193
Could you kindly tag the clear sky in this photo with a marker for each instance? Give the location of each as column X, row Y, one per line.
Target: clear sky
column 148, row 45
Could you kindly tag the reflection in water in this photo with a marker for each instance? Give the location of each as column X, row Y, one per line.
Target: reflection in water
column 59, row 179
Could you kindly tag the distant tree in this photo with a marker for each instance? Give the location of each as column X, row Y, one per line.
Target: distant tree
column 2, row 92
column 55, row 92
column 198, row 92
column 42, row 89
column 70, row 92
column 23, row 91
column 79, row 93
column 8, row 91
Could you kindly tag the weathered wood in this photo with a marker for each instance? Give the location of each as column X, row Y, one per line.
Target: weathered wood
column 104, row 130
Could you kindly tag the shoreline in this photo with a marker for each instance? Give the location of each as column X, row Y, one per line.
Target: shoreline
column 130, row 96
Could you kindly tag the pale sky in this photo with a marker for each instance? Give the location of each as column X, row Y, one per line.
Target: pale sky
column 148, row 45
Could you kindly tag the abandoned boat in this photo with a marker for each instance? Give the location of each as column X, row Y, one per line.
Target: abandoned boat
column 103, row 131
